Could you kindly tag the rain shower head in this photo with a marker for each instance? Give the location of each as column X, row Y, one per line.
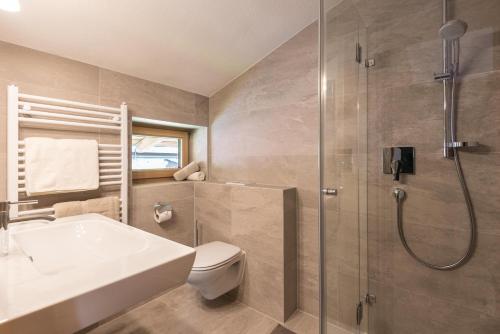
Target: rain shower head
column 452, row 30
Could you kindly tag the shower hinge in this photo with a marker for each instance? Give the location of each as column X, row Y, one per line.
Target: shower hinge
column 370, row 62
column 358, row 53
column 370, row 299
column 359, row 313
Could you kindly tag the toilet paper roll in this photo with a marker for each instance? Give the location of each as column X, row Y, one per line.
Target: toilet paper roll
column 161, row 217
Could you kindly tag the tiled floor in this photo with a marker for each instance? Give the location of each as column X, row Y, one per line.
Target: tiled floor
column 281, row 330
column 183, row 311
column 304, row 323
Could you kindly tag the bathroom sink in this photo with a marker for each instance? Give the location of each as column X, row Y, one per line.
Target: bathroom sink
column 65, row 246
column 68, row 274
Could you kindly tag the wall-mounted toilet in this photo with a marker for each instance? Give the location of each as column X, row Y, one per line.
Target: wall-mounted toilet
column 218, row 268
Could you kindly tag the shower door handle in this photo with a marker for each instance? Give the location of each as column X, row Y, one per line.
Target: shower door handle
column 329, row 191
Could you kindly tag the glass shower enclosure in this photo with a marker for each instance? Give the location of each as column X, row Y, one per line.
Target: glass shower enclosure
column 416, row 252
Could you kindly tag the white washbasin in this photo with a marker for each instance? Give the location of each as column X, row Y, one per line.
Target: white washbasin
column 64, row 246
column 68, row 274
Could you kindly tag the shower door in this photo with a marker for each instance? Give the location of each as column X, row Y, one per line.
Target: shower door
column 343, row 169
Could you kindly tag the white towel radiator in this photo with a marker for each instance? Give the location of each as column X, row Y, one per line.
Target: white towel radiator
column 24, row 110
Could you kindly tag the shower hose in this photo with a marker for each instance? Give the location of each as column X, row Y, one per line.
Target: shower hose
column 399, row 194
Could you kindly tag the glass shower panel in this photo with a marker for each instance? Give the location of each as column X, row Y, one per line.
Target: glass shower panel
column 343, row 163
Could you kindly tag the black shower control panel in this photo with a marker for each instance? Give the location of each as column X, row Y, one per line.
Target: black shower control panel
column 399, row 160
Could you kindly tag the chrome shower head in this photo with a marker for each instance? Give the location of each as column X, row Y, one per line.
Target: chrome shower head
column 452, row 30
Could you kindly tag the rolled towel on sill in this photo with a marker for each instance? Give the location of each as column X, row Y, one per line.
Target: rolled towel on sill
column 198, row 176
column 183, row 173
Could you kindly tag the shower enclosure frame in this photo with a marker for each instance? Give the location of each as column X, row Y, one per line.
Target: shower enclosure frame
column 321, row 216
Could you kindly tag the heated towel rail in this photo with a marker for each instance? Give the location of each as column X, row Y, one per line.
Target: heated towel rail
column 24, row 110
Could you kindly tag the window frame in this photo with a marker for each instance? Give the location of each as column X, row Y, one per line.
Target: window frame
column 183, row 135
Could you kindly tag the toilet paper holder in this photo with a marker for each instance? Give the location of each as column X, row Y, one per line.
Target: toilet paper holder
column 162, row 212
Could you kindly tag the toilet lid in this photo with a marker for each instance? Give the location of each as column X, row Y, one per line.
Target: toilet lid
column 214, row 253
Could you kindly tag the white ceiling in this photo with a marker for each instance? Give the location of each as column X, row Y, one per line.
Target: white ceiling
column 196, row 45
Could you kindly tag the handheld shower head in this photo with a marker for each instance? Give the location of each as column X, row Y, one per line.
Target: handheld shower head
column 453, row 30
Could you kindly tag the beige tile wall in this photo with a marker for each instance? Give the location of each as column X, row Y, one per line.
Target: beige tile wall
column 178, row 194
column 198, row 147
column 261, row 220
column 264, row 128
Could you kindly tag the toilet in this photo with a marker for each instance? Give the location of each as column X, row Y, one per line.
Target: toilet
column 218, row 268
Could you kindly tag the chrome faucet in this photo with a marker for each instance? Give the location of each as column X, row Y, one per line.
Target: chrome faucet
column 5, row 220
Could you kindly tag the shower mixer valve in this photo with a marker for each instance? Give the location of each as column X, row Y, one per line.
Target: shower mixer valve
column 398, row 160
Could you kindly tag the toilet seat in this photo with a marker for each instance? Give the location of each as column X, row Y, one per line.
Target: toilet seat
column 214, row 254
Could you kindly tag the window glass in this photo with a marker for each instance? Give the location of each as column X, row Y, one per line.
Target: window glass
column 155, row 152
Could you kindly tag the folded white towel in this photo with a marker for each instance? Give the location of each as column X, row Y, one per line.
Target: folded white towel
column 60, row 165
column 198, row 176
column 183, row 173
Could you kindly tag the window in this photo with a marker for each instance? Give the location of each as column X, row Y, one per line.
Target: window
column 158, row 152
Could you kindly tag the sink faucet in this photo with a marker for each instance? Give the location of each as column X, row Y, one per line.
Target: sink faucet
column 5, row 220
